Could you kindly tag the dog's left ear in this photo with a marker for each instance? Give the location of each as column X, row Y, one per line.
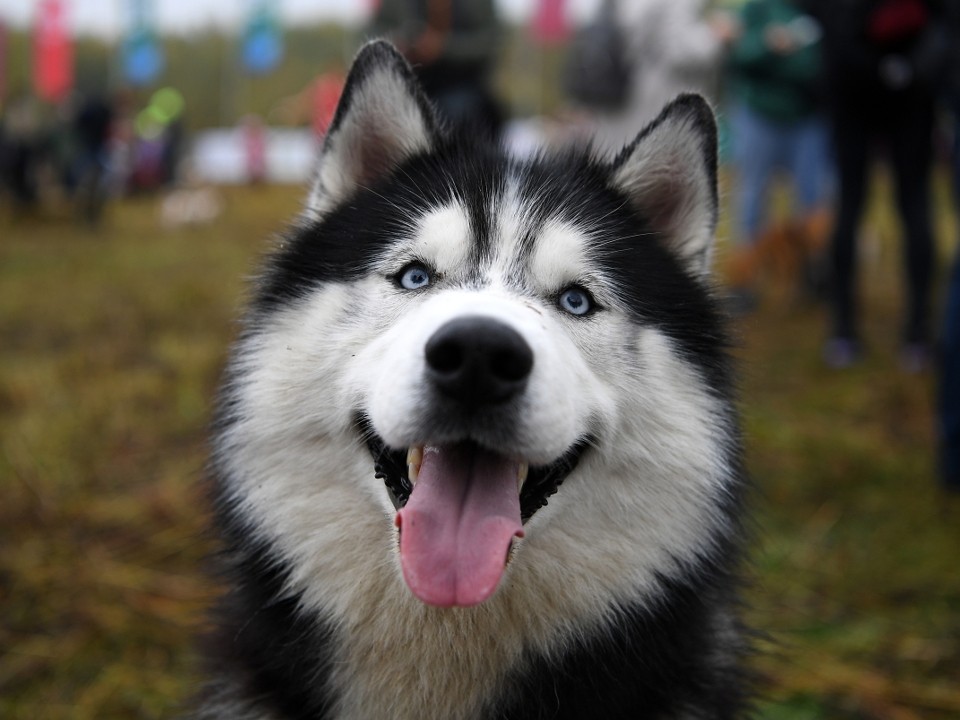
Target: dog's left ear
column 669, row 173
column 383, row 119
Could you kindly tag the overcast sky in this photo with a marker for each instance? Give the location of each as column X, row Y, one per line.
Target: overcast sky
column 109, row 17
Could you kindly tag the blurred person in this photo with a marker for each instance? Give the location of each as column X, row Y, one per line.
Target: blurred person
column 948, row 400
column 4, row 152
column 671, row 47
column 169, row 103
column 949, row 387
column 92, row 126
column 121, row 144
column 174, row 147
column 453, row 46
column 254, row 135
column 159, row 143
column 598, row 65
column 146, row 171
column 882, row 62
column 24, row 130
column 777, row 124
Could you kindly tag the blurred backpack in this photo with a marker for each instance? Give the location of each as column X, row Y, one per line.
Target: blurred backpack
column 912, row 40
column 598, row 70
column 892, row 22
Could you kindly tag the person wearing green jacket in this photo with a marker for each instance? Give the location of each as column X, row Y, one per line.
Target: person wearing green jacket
column 776, row 124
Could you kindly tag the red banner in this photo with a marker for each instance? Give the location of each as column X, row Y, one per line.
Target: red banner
column 52, row 53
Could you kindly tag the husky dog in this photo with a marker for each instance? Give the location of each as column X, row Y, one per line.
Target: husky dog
column 476, row 454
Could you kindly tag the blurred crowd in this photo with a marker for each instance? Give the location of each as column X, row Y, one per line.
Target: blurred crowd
column 811, row 92
column 88, row 148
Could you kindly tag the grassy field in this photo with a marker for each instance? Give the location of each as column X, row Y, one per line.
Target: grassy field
column 110, row 347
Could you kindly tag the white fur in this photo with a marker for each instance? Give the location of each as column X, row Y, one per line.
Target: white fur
column 444, row 237
column 384, row 118
column 666, row 177
column 560, row 257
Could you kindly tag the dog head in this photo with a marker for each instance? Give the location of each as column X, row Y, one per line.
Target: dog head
column 472, row 330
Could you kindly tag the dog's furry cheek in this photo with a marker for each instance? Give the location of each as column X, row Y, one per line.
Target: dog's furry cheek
column 555, row 420
column 383, row 379
column 290, row 369
column 673, row 412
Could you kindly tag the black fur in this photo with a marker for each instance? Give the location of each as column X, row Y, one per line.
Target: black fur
column 651, row 664
column 268, row 654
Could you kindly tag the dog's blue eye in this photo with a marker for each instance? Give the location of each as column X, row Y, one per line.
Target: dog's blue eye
column 576, row 301
column 414, row 277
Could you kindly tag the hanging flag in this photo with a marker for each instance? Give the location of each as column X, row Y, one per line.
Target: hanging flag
column 262, row 47
column 52, row 53
column 142, row 56
column 550, row 25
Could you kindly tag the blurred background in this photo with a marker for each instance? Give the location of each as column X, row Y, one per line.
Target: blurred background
column 150, row 150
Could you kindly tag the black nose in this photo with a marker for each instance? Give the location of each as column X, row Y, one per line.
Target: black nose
column 478, row 361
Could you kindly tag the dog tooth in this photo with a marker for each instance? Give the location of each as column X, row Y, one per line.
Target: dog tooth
column 522, row 472
column 414, row 459
column 415, row 455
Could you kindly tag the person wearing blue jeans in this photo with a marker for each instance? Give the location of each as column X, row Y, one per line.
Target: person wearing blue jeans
column 763, row 146
column 776, row 124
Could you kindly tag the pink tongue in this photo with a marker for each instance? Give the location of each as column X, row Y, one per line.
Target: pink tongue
column 456, row 528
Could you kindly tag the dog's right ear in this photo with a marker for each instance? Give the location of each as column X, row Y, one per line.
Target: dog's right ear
column 383, row 119
column 669, row 174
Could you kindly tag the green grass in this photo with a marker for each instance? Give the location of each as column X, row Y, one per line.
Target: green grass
column 856, row 580
column 110, row 348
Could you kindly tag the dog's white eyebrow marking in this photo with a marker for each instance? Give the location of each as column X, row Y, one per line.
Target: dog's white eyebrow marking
column 559, row 255
column 443, row 237
column 510, row 216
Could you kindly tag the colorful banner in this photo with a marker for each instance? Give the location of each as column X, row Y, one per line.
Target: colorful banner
column 52, row 53
column 262, row 48
column 142, row 55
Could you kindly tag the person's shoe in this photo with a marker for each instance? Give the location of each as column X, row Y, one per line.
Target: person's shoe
column 915, row 358
column 740, row 301
column 841, row 352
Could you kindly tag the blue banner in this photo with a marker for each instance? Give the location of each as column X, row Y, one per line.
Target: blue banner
column 142, row 55
column 262, row 48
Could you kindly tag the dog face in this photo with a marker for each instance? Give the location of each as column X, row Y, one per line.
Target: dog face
column 475, row 332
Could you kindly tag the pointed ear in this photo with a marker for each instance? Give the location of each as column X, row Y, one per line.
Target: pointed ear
column 669, row 174
column 383, row 119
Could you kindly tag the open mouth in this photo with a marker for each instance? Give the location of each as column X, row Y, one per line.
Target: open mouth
column 460, row 507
